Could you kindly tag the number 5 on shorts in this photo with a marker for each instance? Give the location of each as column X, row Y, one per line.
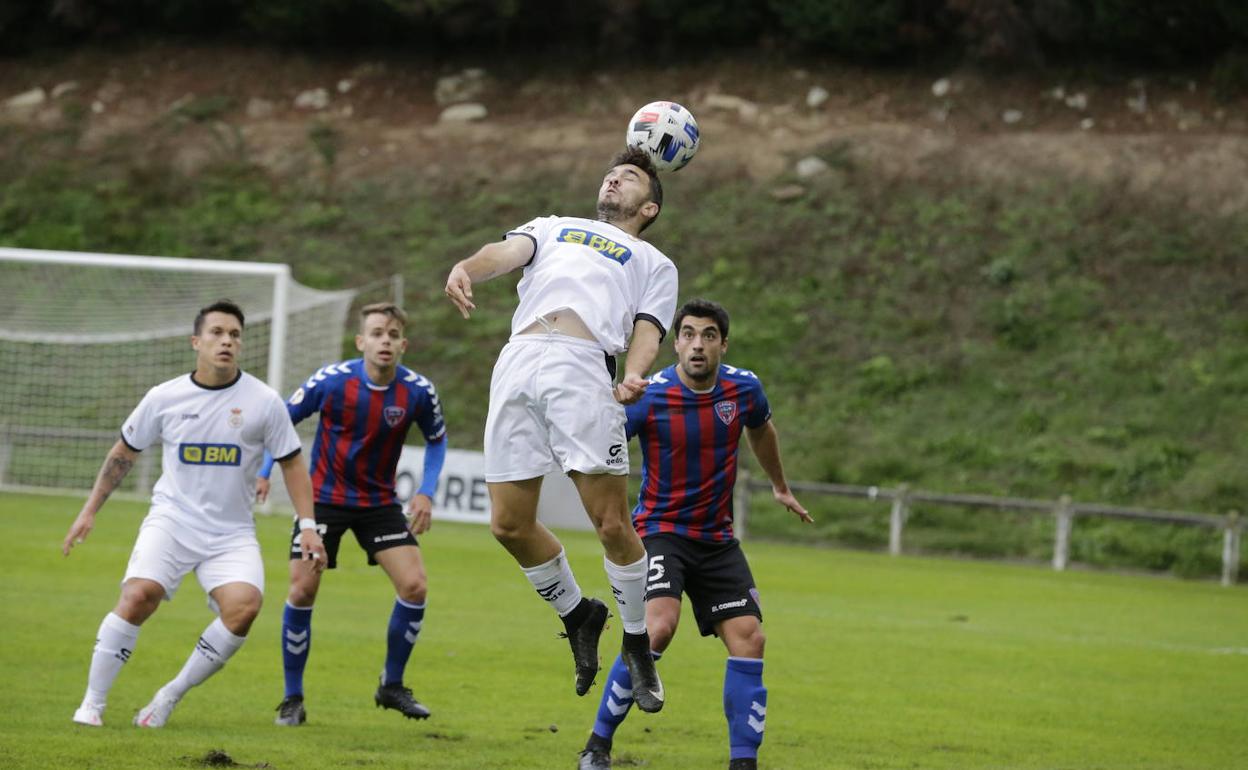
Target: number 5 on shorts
column 656, row 569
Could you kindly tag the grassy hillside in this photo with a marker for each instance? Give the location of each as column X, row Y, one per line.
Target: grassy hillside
column 1034, row 338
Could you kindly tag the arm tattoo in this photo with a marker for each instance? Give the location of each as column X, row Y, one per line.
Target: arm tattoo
column 114, row 470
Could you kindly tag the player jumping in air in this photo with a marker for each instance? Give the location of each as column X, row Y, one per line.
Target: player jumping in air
column 590, row 290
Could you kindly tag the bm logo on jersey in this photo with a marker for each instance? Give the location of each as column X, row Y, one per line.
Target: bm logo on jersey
column 209, row 454
column 604, row 246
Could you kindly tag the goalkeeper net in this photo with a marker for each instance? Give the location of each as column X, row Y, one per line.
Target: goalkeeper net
column 84, row 336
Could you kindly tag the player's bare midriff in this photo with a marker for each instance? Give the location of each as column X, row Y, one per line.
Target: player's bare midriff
column 563, row 321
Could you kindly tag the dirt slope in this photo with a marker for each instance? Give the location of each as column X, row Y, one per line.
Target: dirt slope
column 1148, row 134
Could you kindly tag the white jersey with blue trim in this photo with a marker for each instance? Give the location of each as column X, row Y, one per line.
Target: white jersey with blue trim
column 606, row 276
column 213, row 442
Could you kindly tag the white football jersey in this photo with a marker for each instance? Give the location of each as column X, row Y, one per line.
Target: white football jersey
column 606, row 276
column 214, row 440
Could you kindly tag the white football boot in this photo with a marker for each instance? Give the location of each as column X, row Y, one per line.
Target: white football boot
column 156, row 713
column 89, row 714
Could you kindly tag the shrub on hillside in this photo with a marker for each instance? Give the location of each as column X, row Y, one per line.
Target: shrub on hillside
column 714, row 21
column 1230, row 75
column 1163, row 32
column 845, row 26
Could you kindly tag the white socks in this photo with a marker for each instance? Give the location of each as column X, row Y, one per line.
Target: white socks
column 214, row 648
column 113, row 644
column 554, row 582
column 628, row 583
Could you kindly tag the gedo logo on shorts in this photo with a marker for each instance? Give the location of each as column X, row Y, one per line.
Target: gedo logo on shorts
column 209, row 454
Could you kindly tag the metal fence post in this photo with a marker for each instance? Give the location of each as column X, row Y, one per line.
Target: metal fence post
column 397, row 288
column 741, row 503
column 897, row 519
column 6, row 452
column 1230, row 549
column 1061, row 539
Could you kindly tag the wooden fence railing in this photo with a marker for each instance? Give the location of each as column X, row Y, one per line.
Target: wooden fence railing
column 1064, row 512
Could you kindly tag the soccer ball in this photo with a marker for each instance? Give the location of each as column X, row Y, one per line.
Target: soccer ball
column 667, row 132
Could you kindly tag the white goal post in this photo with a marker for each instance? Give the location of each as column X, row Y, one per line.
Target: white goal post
column 83, row 336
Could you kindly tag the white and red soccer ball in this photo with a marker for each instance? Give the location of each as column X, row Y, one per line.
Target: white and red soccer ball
column 667, row 132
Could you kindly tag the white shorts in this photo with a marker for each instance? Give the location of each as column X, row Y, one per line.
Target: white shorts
column 553, row 408
column 165, row 552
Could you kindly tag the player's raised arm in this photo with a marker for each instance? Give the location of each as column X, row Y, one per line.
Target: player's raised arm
column 766, row 445
column 299, row 487
column 117, row 464
column 490, row 261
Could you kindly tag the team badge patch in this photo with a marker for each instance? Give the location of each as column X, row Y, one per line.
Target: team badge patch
column 727, row 411
column 394, row 415
column 236, row 418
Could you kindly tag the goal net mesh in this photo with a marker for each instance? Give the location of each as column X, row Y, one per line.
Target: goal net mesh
column 80, row 344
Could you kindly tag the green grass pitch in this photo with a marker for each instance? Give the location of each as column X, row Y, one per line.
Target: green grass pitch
column 872, row 662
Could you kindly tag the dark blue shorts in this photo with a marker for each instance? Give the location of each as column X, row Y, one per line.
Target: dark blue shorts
column 715, row 576
column 375, row 529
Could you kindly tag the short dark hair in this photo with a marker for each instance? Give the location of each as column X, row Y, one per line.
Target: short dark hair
column 635, row 156
column 220, row 306
column 383, row 308
column 703, row 308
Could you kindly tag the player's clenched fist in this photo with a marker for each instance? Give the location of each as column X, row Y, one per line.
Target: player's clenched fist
column 311, row 547
column 630, row 389
column 419, row 514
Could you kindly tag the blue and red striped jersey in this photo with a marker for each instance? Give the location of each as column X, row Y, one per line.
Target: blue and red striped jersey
column 689, row 444
column 362, row 429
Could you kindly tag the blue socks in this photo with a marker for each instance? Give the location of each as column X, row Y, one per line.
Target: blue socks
column 296, row 641
column 745, row 706
column 617, row 698
column 405, row 623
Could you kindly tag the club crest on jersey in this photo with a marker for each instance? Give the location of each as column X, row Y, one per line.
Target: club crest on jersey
column 393, row 415
column 236, row 418
column 604, row 246
column 726, row 411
